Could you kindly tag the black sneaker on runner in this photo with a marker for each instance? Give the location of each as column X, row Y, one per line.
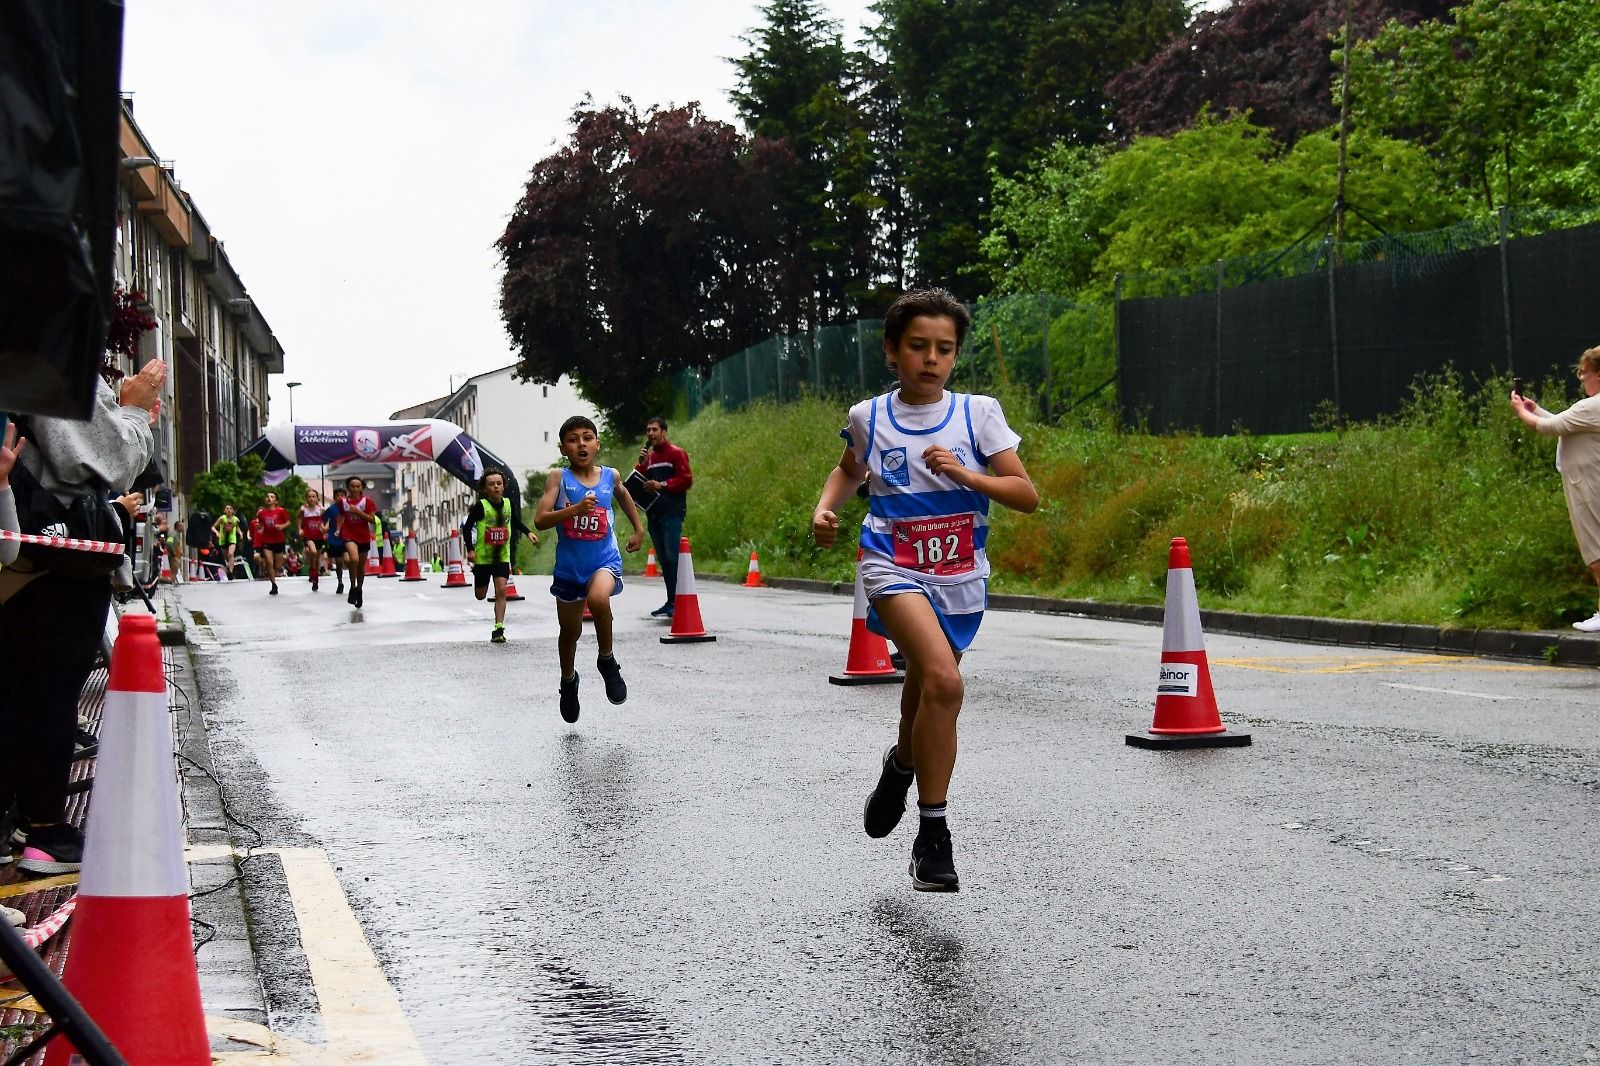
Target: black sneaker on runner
column 933, row 868
column 569, row 699
column 361, row 595
column 274, row 591
column 888, row 800
column 611, row 672
column 339, row 589
column 498, row 635
column 52, row 849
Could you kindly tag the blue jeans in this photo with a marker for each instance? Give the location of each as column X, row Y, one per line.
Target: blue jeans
column 665, row 533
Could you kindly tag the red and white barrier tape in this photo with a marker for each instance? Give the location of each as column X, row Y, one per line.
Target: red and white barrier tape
column 103, row 547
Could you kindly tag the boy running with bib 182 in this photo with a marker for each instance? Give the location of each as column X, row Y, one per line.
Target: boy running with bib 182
column 578, row 503
column 924, row 568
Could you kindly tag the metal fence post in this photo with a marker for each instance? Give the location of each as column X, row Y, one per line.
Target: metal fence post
column 1505, row 288
column 747, row 386
column 1116, row 342
column 861, row 363
column 1333, row 323
column 1216, row 418
column 1044, row 317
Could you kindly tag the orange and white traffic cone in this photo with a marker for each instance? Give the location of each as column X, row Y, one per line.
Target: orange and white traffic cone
column 752, row 576
column 455, row 572
column 131, row 926
column 166, row 569
column 374, row 559
column 413, row 560
column 386, row 567
column 687, row 628
column 511, row 589
column 650, row 567
column 1186, row 708
column 867, row 662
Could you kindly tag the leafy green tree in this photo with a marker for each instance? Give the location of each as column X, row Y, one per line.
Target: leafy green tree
column 240, row 484
column 1221, row 189
column 985, row 87
column 800, row 86
column 1502, row 94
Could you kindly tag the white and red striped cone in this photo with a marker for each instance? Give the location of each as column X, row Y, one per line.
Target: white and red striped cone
column 131, row 927
column 752, row 576
column 687, row 628
column 867, row 662
column 386, row 567
column 650, row 567
column 511, row 589
column 1186, row 708
column 166, row 569
column 374, row 559
column 413, row 562
column 455, row 571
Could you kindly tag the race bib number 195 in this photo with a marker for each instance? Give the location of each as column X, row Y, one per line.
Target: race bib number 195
column 591, row 526
column 938, row 546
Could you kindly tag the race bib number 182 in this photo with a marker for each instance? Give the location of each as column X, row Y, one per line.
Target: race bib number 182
column 938, row 546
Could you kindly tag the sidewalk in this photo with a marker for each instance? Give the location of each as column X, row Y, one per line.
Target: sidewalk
column 231, row 990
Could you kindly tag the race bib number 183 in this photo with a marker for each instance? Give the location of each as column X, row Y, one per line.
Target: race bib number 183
column 938, row 546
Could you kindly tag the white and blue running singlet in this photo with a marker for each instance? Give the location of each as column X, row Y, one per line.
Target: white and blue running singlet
column 924, row 533
column 587, row 542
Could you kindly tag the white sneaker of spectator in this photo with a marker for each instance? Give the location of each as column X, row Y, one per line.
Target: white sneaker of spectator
column 13, row 916
column 1589, row 625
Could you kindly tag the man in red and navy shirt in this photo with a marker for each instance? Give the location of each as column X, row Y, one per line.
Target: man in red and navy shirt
column 666, row 469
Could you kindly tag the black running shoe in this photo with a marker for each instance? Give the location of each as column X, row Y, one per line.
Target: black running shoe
column 339, row 589
column 498, row 635
column 569, row 699
column 350, row 597
column 52, row 849
column 274, row 591
column 888, row 800
column 611, row 672
column 933, row 869
column 361, row 595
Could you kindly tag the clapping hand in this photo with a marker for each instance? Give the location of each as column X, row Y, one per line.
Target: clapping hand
column 10, row 449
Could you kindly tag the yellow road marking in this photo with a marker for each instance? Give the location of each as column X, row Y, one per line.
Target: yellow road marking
column 1331, row 664
column 360, row 1011
column 23, row 888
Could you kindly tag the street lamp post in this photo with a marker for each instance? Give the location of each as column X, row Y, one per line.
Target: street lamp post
column 291, row 386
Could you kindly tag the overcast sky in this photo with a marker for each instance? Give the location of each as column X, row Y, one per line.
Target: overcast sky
column 359, row 158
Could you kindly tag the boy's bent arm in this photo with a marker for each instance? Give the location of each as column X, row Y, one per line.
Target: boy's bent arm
column 623, row 496
column 839, row 487
column 1009, row 485
column 544, row 516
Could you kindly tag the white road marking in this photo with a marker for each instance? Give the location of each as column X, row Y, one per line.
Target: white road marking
column 1456, row 692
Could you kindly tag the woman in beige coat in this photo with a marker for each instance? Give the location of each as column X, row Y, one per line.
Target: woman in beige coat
column 1578, row 460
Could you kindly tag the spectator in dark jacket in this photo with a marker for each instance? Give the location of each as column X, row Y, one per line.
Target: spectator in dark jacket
column 666, row 468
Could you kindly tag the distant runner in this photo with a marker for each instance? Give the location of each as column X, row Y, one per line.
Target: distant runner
column 330, row 522
column 492, row 526
column 274, row 525
column 312, row 534
column 356, row 512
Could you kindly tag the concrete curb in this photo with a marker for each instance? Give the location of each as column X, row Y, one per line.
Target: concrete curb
column 1571, row 649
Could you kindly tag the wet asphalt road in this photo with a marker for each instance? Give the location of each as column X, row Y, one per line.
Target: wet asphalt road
column 1401, row 869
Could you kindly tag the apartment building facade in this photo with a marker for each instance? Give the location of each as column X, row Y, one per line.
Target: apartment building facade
column 517, row 420
column 217, row 345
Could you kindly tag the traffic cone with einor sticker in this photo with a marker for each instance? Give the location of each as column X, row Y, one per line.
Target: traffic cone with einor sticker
column 455, row 572
column 650, row 567
column 867, row 662
column 413, row 561
column 132, row 959
column 1186, row 708
column 386, row 567
column 752, row 577
column 687, row 628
